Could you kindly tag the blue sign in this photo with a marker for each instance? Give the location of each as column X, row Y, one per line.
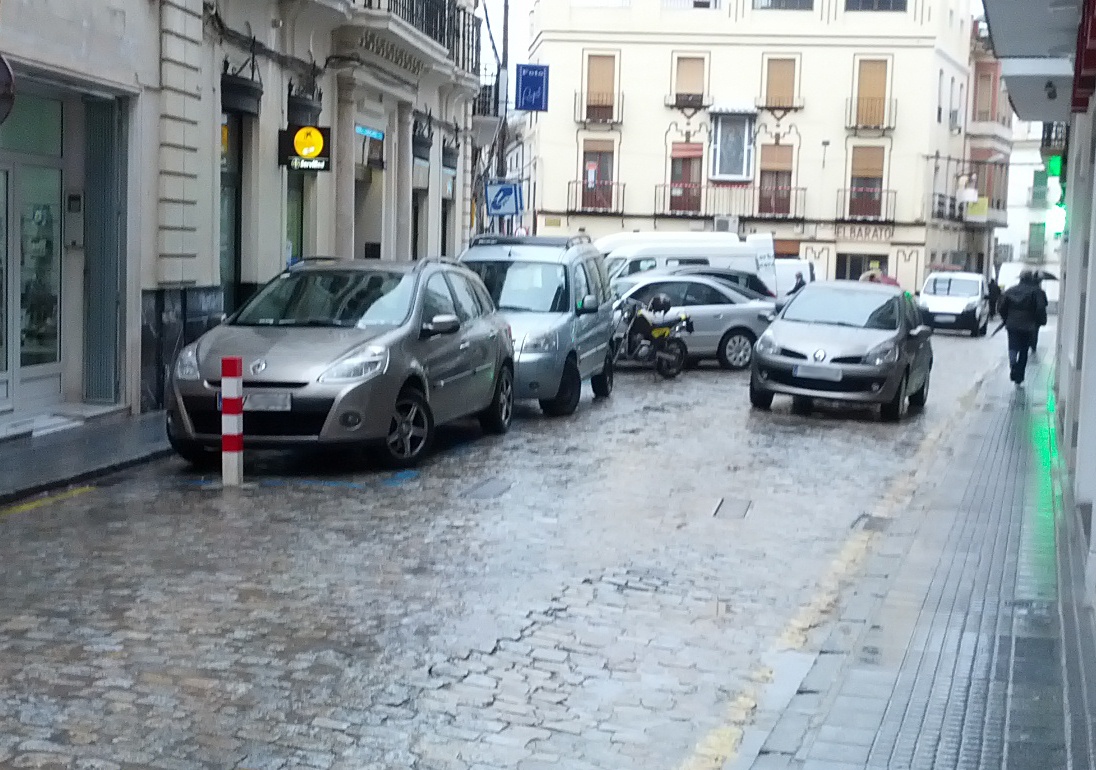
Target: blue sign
column 504, row 199
column 372, row 133
column 531, row 88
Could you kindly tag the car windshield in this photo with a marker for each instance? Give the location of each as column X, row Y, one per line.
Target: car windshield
column 337, row 298
column 738, row 288
column 835, row 307
column 538, row 287
column 951, row 287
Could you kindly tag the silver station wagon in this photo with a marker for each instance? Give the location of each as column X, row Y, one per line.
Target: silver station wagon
column 351, row 354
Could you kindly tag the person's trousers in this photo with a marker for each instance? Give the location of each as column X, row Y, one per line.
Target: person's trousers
column 1019, row 343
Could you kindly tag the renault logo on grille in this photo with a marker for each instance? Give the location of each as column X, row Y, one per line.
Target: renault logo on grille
column 258, row 367
column 820, row 355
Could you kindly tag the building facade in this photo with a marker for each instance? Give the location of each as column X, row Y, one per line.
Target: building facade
column 1048, row 57
column 1035, row 220
column 144, row 201
column 839, row 125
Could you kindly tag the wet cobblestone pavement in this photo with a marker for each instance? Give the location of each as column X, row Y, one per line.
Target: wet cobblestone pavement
column 602, row 591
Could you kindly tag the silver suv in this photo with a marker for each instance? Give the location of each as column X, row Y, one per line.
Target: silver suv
column 555, row 294
column 351, row 353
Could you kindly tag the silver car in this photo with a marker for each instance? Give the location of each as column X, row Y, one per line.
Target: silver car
column 555, row 294
column 351, row 353
column 726, row 322
column 862, row 343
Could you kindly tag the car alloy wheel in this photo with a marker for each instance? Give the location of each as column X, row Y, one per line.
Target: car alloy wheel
column 500, row 413
column 410, row 429
column 736, row 350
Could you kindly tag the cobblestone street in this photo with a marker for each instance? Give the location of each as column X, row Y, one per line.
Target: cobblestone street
column 603, row 591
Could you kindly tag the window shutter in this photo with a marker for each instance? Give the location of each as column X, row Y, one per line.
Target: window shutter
column 776, row 157
column 601, row 80
column 872, row 83
column 780, row 83
column 687, row 150
column 867, row 162
column 690, row 75
column 597, row 145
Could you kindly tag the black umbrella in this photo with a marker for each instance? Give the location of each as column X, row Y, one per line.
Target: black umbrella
column 1043, row 275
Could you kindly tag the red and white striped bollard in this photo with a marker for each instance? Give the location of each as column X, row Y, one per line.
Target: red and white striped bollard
column 232, row 421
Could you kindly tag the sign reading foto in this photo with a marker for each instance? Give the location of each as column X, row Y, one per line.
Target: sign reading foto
column 305, row 148
column 531, row 88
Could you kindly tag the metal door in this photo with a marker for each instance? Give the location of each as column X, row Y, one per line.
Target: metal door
column 104, row 242
column 6, row 302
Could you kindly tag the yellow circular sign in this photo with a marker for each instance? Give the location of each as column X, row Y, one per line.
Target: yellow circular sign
column 308, row 142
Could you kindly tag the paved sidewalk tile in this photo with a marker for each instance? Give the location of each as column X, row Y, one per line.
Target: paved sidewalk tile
column 959, row 664
column 79, row 453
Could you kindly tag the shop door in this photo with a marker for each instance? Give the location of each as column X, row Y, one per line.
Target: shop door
column 6, row 302
column 597, row 191
column 38, row 203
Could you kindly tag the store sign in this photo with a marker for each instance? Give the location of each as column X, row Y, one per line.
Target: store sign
column 369, row 133
column 874, row 233
column 531, row 91
column 305, row 148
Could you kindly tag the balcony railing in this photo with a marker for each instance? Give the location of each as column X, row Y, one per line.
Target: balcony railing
column 1037, row 197
column 594, row 107
column 674, row 5
column 487, row 102
column 697, row 200
column 785, row 103
column 595, row 197
column 870, row 204
column 869, row 112
column 443, row 21
column 688, row 101
column 946, row 207
column 1055, row 137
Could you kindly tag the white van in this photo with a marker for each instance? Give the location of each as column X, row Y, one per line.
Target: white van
column 786, row 270
column 754, row 257
column 609, row 243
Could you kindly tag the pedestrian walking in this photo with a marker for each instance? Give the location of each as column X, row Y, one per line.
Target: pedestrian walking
column 994, row 296
column 1023, row 310
column 799, row 284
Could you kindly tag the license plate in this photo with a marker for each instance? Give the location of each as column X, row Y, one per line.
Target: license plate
column 263, row 402
column 828, row 373
column 946, row 319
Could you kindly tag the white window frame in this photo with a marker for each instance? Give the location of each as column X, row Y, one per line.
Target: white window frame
column 748, row 141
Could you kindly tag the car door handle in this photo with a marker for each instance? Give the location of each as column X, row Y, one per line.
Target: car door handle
column 493, row 335
column 465, row 345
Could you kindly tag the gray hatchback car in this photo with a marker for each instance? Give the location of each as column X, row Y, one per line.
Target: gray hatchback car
column 863, row 343
column 351, row 353
column 555, row 294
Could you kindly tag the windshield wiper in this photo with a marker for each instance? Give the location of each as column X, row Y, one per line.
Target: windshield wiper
column 318, row 322
column 512, row 307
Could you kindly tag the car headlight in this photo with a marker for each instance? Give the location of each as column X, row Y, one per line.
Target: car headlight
column 539, row 343
column 359, row 366
column 972, row 304
column 186, row 365
column 766, row 343
column 887, row 353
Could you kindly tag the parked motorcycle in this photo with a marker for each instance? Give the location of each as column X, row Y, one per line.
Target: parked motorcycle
column 650, row 336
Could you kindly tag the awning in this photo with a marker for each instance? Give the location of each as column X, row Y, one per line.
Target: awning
column 733, row 108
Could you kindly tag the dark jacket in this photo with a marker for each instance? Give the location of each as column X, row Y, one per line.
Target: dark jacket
column 1023, row 307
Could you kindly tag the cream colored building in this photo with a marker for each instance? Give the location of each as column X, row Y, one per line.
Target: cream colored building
column 839, row 125
column 146, row 187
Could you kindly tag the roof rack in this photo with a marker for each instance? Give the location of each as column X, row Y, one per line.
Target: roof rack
column 490, row 239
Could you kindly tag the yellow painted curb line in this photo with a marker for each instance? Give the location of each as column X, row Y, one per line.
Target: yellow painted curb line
column 42, row 502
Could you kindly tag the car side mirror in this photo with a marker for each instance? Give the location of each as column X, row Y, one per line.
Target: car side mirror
column 588, row 305
column 441, row 324
column 767, row 315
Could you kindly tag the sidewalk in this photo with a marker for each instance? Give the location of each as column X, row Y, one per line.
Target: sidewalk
column 966, row 643
column 35, row 464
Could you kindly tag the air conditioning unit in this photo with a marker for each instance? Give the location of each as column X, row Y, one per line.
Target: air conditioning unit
column 726, row 225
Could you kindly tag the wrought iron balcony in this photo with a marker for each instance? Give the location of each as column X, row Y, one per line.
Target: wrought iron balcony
column 866, row 204
column 593, row 107
column 686, row 101
column 752, row 201
column 1055, row 138
column 946, row 207
column 454, row 28
column 595, row 197
column 486, row 103
column 871, row 113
